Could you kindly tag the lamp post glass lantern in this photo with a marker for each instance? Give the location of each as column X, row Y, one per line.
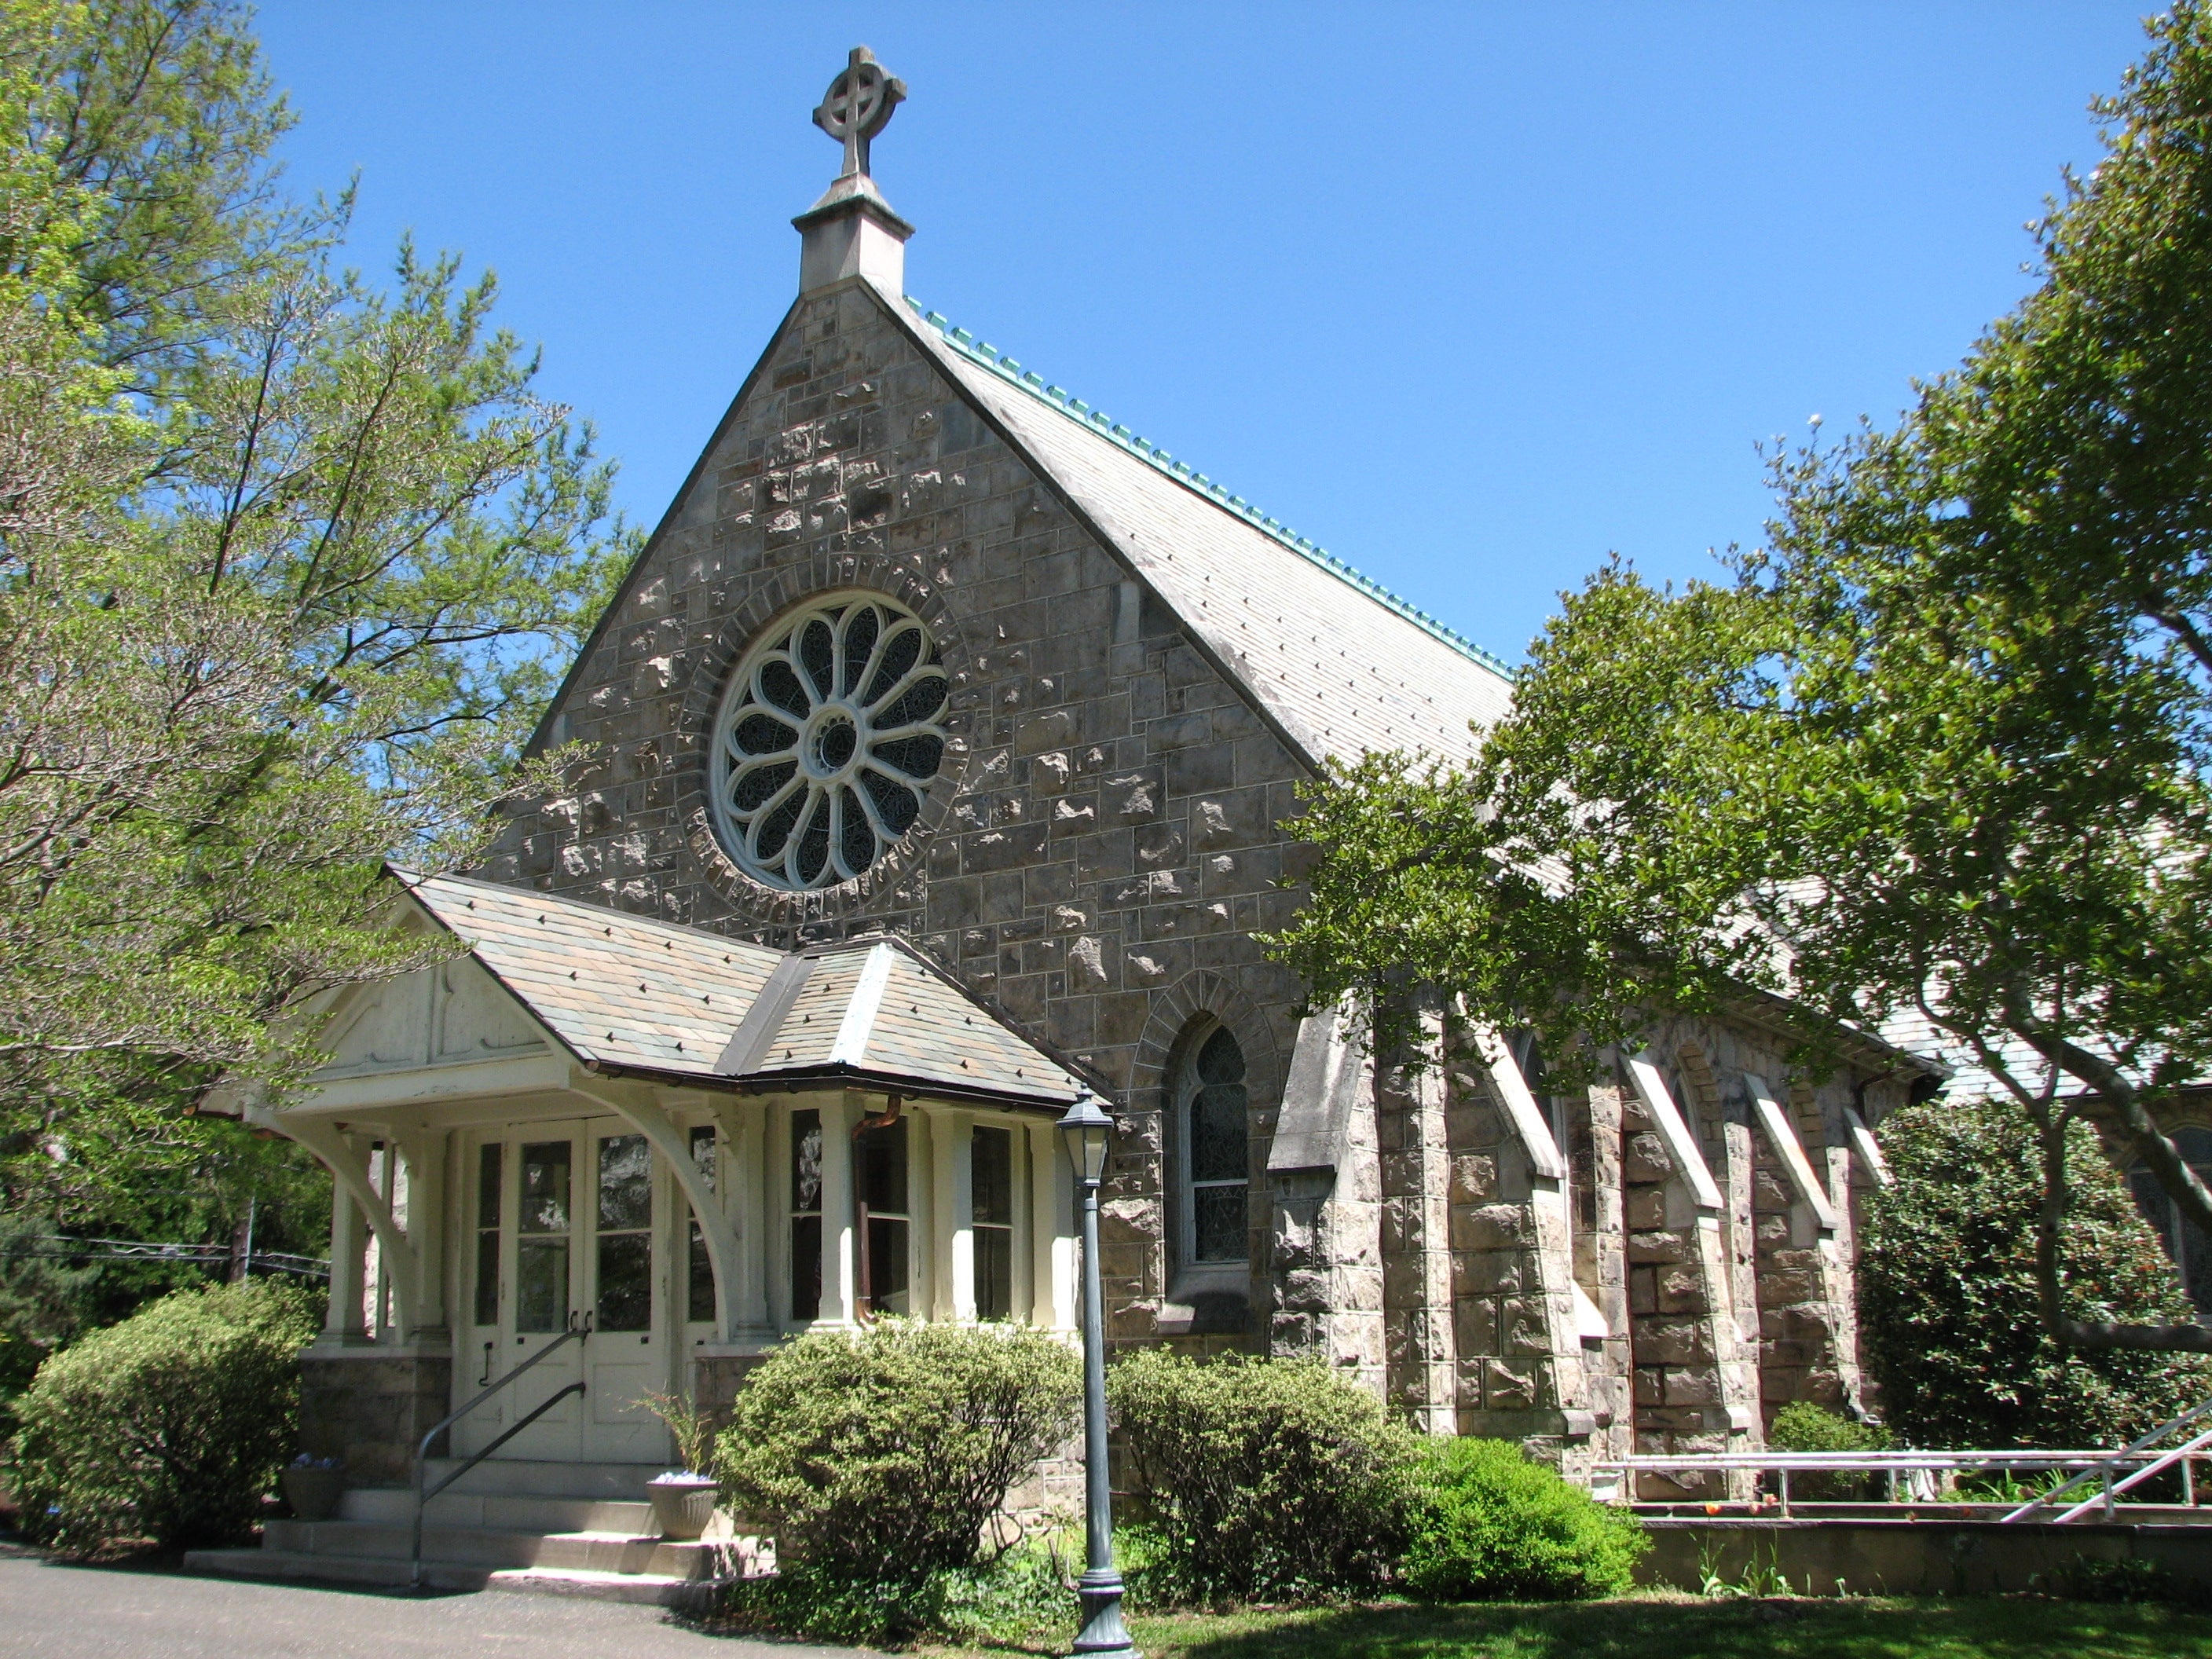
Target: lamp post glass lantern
column 1087, row 1130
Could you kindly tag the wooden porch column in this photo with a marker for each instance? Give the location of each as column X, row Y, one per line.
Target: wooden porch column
column 349, row 1248
column 956, row 1166
column 425, row 1151
column 839, row 1268
column 1052, row 1231
column 747, row 1188
column 924, row 1213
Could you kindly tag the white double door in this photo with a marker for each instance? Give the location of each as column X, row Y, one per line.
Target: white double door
column 566, row 1233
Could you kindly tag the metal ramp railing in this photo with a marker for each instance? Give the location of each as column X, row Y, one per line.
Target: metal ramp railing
column 1909, row 1477
column 2150, row 1455
column 1912, row 1476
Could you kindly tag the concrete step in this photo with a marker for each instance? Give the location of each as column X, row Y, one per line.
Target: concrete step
column 652, row 1589
column 294, row 1567
column 395, row 1506
column 484, row 1546
column 516, row 1477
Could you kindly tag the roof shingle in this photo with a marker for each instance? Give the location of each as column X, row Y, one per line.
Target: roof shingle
column 629, row 993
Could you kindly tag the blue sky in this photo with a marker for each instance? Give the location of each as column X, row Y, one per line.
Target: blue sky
column 1470, row 294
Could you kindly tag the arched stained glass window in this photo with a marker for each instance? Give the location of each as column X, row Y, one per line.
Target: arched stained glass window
column 1217, row 1153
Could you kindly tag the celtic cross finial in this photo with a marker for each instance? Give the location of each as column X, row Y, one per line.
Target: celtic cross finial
column 859, row 103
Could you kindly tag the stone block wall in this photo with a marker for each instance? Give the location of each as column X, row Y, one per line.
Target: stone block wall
column 1600, row 1245
column 1521, row 1364
column 372, row 1410
column 1420, row 1369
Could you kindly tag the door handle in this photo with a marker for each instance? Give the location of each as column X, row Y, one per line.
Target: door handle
column 486, row 1378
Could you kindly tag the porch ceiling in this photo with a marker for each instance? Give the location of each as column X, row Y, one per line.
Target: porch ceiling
column 624, row 993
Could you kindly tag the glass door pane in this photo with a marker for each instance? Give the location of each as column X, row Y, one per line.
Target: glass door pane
column 625, row 1234
column 542, row 1231
column 490, row 1172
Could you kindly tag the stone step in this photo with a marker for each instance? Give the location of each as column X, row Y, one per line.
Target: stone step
column 517, row 1477
column 395, row 1505
column 292, row 1565
column 655, row 1589
column 487, row 1548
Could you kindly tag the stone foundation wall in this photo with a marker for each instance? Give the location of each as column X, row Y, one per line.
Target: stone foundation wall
column 372, row 1410
column 715, row 1379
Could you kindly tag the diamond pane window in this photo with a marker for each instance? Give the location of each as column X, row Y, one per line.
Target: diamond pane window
column 829, row 732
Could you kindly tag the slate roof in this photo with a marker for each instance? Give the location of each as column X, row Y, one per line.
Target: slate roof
column 630, row 993
column 1343, row 665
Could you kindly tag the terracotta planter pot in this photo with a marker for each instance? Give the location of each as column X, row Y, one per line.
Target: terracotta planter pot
column 682, row 1505
column 313, row 1494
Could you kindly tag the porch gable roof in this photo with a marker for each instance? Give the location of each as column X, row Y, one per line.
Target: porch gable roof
column 627, row 993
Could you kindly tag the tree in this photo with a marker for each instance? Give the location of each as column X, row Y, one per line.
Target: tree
column 1939, row 751
column 288, row 563
column 1947, row 1290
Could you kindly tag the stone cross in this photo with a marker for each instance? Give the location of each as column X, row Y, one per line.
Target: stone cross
column 857, row 107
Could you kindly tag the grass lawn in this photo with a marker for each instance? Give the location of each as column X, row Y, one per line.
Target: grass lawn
column 1659, row 1626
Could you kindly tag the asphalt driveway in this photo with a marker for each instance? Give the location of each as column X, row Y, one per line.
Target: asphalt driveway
column 104, row 1612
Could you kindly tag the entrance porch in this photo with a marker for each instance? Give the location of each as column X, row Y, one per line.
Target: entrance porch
column 684, row 1148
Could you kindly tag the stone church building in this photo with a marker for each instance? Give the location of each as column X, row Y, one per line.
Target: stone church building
column 939, row 759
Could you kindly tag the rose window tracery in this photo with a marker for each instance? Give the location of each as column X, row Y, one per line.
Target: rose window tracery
column 829, row 734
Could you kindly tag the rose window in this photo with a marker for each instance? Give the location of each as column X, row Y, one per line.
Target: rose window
column 829, row 732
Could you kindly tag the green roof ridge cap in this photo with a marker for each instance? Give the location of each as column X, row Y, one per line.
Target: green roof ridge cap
column 1057, row 398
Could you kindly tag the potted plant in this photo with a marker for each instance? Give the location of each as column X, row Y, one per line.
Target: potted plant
column 312, row 1487
column 684, row 1499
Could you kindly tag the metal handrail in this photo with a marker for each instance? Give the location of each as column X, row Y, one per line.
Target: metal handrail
column 2134, row 1464
column 1871, row 1461
column 579, row 1327
column 2108, row 1466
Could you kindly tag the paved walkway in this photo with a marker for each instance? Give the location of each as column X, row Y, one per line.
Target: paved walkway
column 94, row 1612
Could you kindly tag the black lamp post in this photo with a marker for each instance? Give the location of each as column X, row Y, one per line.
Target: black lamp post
column 1087, row 1130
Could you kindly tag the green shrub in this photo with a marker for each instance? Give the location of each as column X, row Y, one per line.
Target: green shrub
column 1802, row 1425
column 879, row 1459
column 1488, row 1525
column 170, row 1426
column 1023, row 1599
column 1263, row 1480
column 1948, row 1304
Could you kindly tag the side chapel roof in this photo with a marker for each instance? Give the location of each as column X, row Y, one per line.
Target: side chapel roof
column 628, row 994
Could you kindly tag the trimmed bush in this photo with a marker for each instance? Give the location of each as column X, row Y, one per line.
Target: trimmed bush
column 1947, row 1305
column 879, row 1459
column 1021, row 1600
column 1264, row 1479
column 1804, row 1425
column 168, row 1427
column 1488, row 1525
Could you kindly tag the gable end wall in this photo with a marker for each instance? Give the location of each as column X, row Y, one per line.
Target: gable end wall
column 1104, row 839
